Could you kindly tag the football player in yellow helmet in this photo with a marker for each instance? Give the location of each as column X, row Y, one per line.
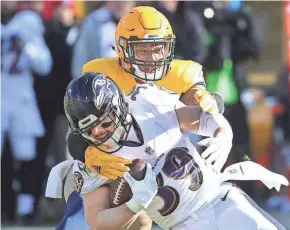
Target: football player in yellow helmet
column 145, row 47
column 145, row 44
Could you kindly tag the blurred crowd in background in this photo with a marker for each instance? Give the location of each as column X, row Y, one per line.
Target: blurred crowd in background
column 51, row 40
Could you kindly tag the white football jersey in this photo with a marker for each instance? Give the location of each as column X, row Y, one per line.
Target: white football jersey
column 185, row 181
column 24, row 52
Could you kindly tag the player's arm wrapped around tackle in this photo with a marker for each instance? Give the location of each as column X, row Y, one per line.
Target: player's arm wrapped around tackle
column 216, row 127
column 195, row 93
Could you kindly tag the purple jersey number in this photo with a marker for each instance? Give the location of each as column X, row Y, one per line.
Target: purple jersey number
column 178, row 165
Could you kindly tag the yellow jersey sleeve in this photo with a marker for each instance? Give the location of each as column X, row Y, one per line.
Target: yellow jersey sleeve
column 192, row 75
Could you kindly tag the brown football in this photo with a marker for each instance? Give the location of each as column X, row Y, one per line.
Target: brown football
column 120, row 191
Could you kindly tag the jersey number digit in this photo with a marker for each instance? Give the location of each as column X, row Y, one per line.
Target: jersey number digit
column 178, row 165
column 135, row 91
column 16, row 50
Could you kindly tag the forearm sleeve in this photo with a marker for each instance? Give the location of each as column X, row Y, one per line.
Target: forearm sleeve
column 208, row 125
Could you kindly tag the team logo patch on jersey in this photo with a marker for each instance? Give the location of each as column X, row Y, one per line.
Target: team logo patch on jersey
column 149, row 150
column 135, row 91
column 78, row 182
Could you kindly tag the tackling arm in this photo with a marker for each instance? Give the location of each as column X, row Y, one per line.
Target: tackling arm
column 192, row 119
column 209, row 102
column 188, row 97
column 216, row 127
column 194, row 91
column 197, row 95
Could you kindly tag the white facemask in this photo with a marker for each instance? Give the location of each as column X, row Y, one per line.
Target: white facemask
column 157, row 75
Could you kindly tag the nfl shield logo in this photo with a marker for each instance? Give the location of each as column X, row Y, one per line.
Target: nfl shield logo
column 149, row 150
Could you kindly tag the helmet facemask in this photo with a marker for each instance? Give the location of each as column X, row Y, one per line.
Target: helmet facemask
column 142, row 68
column 117, row 117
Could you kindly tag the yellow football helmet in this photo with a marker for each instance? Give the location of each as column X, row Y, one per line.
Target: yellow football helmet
column 138, row 34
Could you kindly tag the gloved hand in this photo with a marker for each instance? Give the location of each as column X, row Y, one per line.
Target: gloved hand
column 105, row 164
column 206, row 101
column 143, row 191
column 217, row 151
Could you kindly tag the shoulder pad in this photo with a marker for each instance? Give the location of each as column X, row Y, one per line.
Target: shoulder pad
column 186, row 68
column 193, row 72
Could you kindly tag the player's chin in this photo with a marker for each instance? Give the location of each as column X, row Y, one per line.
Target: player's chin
column 148, row 70
column 103, row 138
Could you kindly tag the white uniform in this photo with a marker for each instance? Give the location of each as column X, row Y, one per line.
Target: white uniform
column 190, row 192
column 20, row 115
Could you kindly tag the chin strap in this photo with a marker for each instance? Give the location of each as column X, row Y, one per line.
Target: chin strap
column 139, row 135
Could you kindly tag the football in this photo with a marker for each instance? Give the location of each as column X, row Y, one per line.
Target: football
column 120, row 191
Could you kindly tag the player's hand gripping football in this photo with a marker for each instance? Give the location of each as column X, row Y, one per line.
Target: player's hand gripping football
column 105, row 164
column 143, row 191
column 206, row 101
column 217, row 150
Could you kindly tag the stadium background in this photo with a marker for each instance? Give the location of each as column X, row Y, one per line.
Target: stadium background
column 265, row 108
